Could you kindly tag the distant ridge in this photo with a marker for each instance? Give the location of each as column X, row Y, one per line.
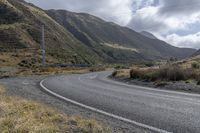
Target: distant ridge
column 196, row 53
column 148, row 34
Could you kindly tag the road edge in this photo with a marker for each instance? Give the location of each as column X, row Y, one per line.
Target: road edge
column 154, row 129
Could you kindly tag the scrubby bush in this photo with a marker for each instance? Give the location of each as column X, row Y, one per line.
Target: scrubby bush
column 173, row 73
column 149, row 64
column 114, row 74
column 170, row 73
column 28, row 63
column 195, row 65
column 151, row 76
column 136, row 74
column 198, row 82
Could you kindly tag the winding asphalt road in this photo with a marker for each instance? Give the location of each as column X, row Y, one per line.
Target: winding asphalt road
column 157, row 110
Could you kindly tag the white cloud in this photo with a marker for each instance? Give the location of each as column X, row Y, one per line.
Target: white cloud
column 168, row 19
column 179, row 7
column 154, row 18
column 189, row 41
column 146, row 19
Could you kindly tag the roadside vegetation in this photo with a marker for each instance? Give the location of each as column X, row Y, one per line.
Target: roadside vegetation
column 25, row 62
column 167, row 73
column 19, row 115
column 187, row 71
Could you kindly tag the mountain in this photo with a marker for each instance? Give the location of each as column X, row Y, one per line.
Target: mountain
column 78, row 37
column 149, row 35
column 114, row 41
column 197, row 53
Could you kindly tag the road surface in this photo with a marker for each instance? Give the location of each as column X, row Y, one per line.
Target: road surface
column 167, row 111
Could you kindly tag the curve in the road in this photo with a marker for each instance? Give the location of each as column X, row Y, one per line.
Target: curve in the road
column 156, row 110
column 101, row 111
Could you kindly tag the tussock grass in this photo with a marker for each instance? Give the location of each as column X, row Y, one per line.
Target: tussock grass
column 52, row 71
column 2, row 90
column 163, row 74
column 123, row 73
column 18, row 115
column 167, row 73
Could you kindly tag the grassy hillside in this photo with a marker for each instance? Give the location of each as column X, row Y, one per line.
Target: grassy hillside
column 100, row 35
column 20, row 27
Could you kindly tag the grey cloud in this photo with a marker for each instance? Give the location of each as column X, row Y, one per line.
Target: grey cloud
column 167, row 14
column 190, row 41
column 179, row 7
column 146, row 24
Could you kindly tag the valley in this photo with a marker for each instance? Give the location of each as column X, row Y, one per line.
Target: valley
column 90, row 74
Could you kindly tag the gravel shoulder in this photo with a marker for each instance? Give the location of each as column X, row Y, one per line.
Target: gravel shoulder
column 174, row 86
column 28, row 87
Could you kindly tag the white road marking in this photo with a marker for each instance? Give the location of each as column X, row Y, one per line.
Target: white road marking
column 103, row 112
column 154, row 95
column 25, row 83
column 93, row 76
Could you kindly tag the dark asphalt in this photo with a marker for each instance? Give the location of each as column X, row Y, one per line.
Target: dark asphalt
column 167, row 110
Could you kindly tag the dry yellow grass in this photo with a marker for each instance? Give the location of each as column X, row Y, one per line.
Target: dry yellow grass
column 51, row 71
column 123, row 73
column 13, row 58
column 1, row 90
column 18, row 115
column 10, row 65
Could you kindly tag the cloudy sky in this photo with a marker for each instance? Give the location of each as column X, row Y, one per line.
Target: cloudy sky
column 174, row 21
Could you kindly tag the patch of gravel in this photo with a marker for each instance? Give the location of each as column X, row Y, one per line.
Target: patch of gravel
column 28, row 87
column 175, row 86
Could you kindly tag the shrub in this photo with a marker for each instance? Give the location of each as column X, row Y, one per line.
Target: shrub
column 28, row 63
column 149, row 64
column 148, row 75
column 175, row 74
column 198, row 83
column 191, row 74
column 136, row 74
column 151, row 76
column 168, row 73
column 195, row 65
column 114, row 74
